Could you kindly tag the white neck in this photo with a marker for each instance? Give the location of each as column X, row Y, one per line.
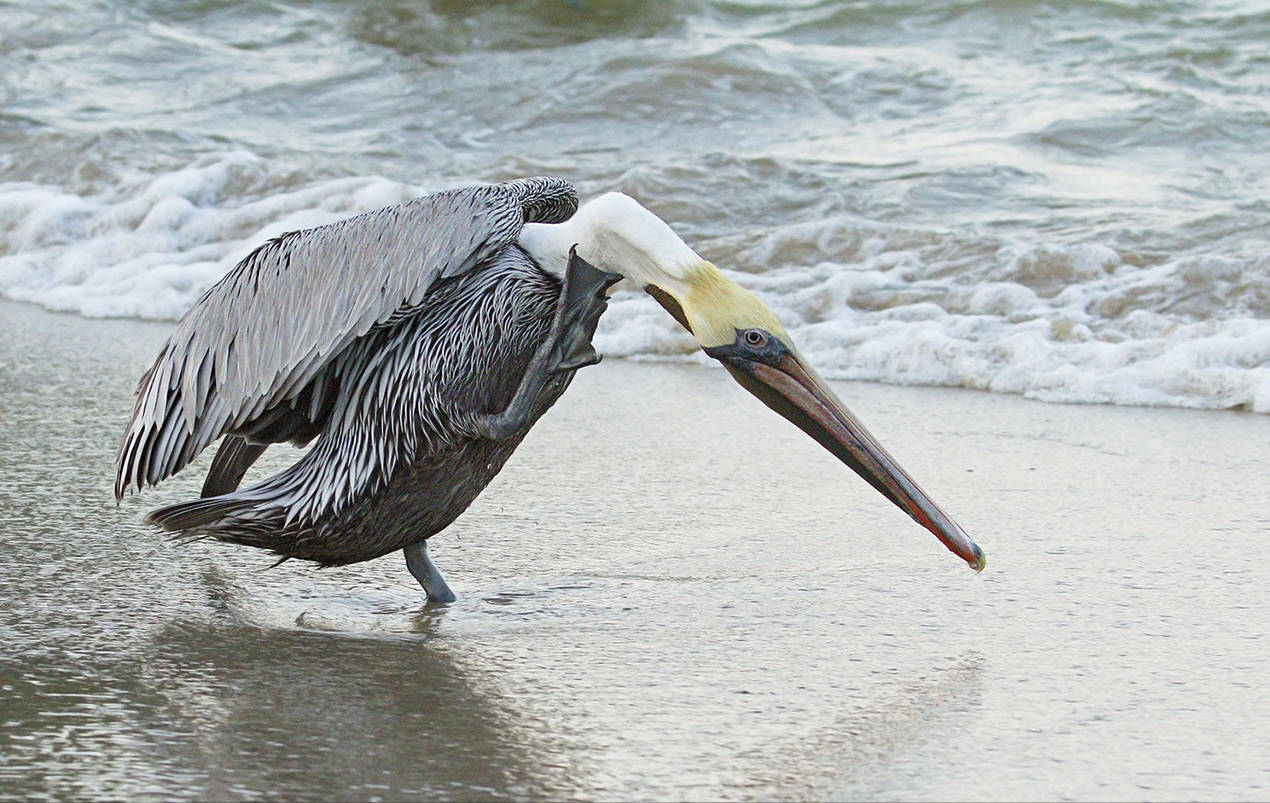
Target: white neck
column 614, row 233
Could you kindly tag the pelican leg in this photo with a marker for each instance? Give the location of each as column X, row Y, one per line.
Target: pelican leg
column 425, row 571
column 566, row 349
column 232, row 460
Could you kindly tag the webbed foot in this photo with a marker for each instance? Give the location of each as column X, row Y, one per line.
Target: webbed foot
column 583, row 300
column 566, row 349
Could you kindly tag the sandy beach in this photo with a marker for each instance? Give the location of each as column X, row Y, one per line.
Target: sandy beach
column 669, row 593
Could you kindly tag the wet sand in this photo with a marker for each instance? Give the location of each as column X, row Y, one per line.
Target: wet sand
column 669, row 593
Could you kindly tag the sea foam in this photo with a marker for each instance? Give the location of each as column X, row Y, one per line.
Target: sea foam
column 905, row 305
column 1074, row 323
column 149, row 247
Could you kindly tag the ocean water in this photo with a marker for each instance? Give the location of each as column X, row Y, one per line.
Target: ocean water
column 1068, row 201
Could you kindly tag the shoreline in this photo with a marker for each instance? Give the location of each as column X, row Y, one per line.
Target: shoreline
column 678, row 361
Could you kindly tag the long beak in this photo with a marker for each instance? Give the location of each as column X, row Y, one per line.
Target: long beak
column 792, row 388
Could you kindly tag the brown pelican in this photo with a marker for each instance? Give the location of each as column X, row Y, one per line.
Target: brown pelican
column 415, row 346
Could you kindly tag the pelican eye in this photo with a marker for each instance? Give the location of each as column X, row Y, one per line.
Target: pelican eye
column 758, row 345
column 750, row 346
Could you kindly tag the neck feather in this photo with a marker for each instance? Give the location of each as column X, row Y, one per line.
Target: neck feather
column 616, row 234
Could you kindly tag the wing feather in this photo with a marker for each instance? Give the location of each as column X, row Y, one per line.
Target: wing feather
column 263, row 332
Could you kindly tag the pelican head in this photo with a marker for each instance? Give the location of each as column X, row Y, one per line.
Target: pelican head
column 615, row 233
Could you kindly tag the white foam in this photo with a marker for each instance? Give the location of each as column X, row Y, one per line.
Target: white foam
column 1068, row 323
column 1055, row 323
column 150, row 246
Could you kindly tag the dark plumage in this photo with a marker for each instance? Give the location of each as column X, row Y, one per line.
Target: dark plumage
column 399, row 458
column 397, row 341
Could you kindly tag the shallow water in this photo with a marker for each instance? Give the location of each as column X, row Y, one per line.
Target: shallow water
column 669, row 593
column 1060, row 200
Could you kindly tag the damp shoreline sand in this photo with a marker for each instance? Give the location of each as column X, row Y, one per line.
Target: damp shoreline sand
column 669, row 593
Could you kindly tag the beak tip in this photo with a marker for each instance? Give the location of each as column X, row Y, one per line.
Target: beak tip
column 980, row 559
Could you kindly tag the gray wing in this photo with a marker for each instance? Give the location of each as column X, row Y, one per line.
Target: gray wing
column 261, row 335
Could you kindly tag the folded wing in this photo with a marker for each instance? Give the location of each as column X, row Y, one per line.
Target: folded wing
column 256, row 341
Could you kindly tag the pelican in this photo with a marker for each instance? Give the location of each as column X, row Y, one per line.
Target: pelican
column 415, row 346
